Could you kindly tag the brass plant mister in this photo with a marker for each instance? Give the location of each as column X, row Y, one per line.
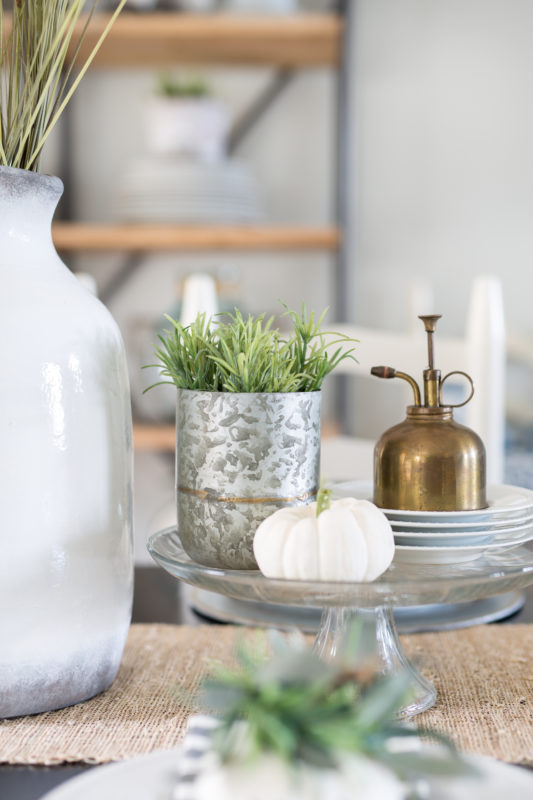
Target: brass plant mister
column 429, row 462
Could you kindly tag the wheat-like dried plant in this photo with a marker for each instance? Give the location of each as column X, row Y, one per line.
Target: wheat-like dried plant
column 36, row 82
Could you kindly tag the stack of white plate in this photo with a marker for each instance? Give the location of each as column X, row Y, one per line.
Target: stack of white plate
column 182, row 190
column 451, row 537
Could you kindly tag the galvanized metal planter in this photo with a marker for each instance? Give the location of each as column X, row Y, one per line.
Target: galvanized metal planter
column 240, row 457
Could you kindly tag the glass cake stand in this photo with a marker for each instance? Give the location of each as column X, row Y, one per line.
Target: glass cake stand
column 403, row 584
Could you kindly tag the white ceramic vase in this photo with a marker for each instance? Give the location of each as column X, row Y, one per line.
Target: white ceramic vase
column 66, row 569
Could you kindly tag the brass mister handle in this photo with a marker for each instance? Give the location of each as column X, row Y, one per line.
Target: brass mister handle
column 469, row 379
column 390, row 372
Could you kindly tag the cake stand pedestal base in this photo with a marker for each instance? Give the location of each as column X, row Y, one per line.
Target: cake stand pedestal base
column 380, row 644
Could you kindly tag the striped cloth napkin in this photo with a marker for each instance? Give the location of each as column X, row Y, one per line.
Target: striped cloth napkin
column 196, row 755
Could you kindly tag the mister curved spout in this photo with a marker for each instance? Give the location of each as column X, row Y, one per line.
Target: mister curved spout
column 390, row 372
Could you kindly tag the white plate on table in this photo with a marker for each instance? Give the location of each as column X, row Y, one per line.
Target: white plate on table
column 155, row 776
column 410, row 554
column 504, row 503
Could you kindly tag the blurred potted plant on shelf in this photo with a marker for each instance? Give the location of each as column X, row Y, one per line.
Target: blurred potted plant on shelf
column 184, row 119
column 65, row 421
column 248, row 424
column 295, row 726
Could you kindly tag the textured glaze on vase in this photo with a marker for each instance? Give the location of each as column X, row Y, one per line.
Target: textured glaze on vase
column 239, row 458
column 66, row 571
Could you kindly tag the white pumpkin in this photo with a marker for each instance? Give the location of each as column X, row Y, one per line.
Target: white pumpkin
column 269, row 778
column 352, row 540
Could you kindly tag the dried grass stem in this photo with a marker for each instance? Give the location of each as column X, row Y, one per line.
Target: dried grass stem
column 36, row 83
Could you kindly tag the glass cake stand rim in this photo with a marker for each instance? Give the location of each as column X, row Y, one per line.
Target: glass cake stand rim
column 403, row 584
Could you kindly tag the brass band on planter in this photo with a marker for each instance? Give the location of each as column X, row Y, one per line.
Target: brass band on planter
column 205, row 495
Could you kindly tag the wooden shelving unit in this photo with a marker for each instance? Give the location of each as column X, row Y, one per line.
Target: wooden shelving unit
column 163, row 39
column 159, row 39
column 137, row 237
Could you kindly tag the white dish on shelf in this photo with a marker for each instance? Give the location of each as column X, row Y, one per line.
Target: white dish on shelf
column 505, row 503
column 181, row 189
column 155, row 777
column 411, row 554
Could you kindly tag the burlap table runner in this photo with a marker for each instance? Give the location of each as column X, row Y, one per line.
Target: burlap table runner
column 483, row 675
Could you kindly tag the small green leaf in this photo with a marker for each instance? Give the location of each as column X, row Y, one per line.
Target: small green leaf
column 323, row 500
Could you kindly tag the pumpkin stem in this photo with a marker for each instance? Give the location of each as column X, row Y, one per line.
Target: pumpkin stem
column 323, row 500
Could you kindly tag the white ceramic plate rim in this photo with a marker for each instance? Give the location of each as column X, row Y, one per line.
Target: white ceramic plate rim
column 132, row 778
column 439, row 533
column 505, row 501
column 467, row 548
column 471, row 527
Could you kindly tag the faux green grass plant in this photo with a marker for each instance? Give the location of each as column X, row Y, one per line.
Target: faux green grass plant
column 234, row 354
column 35, row 86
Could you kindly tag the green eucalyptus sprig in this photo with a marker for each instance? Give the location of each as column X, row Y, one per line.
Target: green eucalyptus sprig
column 235, row 354
column 305, row 709
column 35, row 86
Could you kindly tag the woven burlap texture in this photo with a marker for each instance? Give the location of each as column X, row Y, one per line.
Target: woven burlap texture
column 483, row 676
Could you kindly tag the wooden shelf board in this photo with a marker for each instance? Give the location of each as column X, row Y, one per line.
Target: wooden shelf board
column 132, row 237
column 163, row 39
column 157, row 438
column 158, row 39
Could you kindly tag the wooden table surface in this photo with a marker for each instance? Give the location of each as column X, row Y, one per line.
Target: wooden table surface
column 157, row 599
